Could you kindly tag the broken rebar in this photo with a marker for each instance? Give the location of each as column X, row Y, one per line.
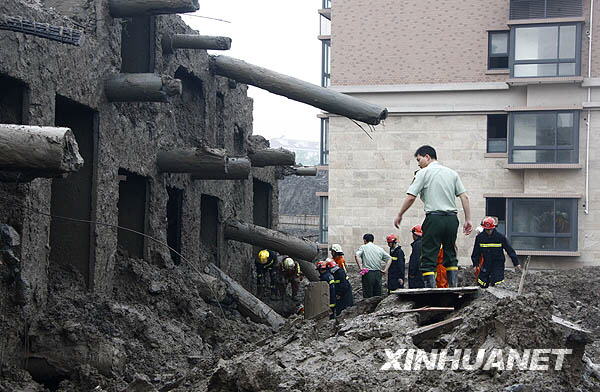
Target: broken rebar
column 61, row 34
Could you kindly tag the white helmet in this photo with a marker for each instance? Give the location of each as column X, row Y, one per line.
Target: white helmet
column 337, row 248
column 288, row 263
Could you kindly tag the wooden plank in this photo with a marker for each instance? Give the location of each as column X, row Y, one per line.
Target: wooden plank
column 435, row 291
column 569, row 325
column 433, row 330
column 316, row 300
column 248, row 304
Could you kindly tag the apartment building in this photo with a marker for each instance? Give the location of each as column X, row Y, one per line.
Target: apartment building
column 507, row 91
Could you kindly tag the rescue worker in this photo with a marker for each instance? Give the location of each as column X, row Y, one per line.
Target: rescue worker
column 488, row 254
column 438, row 186
column 372, row 262
column 325, row 275
column 338, row 256
column 290, row 272
column 415, row 280
column 265, row 266
column 343, row 288
column 396, row 270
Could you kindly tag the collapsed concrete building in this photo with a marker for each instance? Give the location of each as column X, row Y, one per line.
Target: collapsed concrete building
column 121, row 135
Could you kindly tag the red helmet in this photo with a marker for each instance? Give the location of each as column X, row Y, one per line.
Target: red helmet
column 416, row 230
column 488, row 223
column 391, row 238
column 323, row 264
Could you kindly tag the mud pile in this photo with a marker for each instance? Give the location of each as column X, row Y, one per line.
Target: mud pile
column 347, row 354
column 157, row 334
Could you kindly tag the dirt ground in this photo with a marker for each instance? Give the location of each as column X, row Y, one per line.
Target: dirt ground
column 157, row 334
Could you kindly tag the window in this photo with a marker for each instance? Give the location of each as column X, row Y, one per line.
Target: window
column 543, row 224
column 544, row 137
column 546, row 50
column 325, row 25
column 323, row 220
column 498, row 49
column 496, row 207
column 326, row 3
column 324, row 141
column 529, row 9
column 496, row 132
column 326, row 63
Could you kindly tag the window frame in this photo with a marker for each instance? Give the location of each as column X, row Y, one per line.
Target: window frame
column 324, row 146
column 325, row 63
column 512, row 16
column 573, row 224
column 326, row 4
column 577, row 60
column 488, row 139
column 490, row 54
column 575, row 137
column 323, row 219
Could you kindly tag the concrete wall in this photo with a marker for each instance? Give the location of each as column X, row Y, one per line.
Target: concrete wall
column 369, row 178
column 129, row 137
column 385, row 42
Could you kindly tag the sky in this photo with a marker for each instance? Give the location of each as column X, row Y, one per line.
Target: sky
column 278, row 35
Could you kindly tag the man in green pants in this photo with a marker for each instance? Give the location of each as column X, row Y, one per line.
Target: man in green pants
column 372, row 263
column 439, row 187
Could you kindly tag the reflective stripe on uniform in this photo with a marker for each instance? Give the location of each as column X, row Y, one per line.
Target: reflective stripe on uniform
column 481, row 282
column 451, row 268
column 336, row 281
column 331, row 305
column 499, row 282
column 428, row 273
column 331, row 281
column 394, row 258
column 490, row 245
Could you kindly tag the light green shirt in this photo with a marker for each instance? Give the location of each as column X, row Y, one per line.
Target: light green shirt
column 373, row 257
column 438, row 186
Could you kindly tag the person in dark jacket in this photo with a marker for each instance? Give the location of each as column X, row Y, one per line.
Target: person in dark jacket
column 396, row 270
column 488, row 254
column 325, row 275
column 343, row 288
column 415, row 280
column 265, row 266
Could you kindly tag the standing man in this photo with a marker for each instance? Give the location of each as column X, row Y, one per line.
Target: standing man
column 396, row 271
column 438, row 187
column 266, row 262
column 488, row 254
column 372, row 262
column 415, row 280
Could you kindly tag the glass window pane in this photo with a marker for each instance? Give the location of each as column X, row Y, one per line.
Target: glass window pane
column 499, row 42
column 534, row 156
column 496, row 145
column 533, row 43
column 568, row 42
column 563, row 217
column 498, row 62
column 534, row 129
column 563, row 244
column 534, row 70
column 532, row 216
column 533, row 243
column 566, row 69
column 325, row 26
column 566, row 156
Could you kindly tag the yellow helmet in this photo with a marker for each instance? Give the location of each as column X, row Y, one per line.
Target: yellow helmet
column 263, row 256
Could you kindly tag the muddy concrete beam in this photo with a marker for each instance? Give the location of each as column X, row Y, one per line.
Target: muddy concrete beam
column 142, row 87
column 203, row 164
column 248, row 304
column 270, row 239
column 305, row 171
column 127, row 8
column 433, row 330
column 272, row 157
column 194, row 41
column 298, row 90
column 38, row 151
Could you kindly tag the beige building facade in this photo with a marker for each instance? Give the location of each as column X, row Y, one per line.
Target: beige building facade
column 506, row 92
